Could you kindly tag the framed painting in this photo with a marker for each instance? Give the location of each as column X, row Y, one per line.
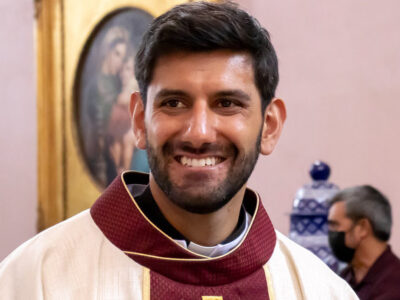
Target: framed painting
column 85, row 63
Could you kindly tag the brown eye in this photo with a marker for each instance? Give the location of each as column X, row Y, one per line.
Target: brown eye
column 225, row 103
column 173, row 103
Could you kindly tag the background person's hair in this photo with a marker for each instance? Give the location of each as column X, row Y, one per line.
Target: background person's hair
column 203, row 26
column 367, row 202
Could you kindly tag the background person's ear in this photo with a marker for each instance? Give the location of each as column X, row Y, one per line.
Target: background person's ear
column 365, row 228
column 274, row 117
column 137, row 114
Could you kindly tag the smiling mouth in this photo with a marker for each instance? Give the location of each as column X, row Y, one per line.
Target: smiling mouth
column 199, row 162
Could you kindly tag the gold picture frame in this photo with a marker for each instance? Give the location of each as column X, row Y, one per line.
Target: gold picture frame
column 63, row 29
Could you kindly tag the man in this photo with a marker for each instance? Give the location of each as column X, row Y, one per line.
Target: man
column 360, row 222
column 191, row 229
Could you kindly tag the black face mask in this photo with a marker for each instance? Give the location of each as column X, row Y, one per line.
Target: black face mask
column 339, row 249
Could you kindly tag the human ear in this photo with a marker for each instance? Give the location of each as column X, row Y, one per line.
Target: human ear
column 274, row 118
column 136, row 109
column 365, row 228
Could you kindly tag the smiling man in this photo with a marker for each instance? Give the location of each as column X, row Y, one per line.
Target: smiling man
column 190, row 229
column 203, row 130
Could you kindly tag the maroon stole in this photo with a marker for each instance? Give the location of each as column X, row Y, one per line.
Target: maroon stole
column 177, row 273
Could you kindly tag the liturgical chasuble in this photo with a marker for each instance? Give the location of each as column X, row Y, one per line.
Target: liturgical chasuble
column 114, row 251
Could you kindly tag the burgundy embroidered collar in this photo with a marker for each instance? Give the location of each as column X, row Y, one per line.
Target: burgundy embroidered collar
column 120, row 219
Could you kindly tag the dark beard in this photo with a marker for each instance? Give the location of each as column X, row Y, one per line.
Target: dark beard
column 213, row 200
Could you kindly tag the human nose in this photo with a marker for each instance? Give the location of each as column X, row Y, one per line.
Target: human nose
column 200, row 125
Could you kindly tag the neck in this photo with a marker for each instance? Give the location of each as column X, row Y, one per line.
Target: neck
column 203, row 229
column 365, row 256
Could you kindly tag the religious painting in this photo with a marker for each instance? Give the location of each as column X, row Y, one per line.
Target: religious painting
column 85, row 62
column 104, row 85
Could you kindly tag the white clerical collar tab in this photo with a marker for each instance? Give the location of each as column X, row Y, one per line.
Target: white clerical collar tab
column 219, row 249
column 182, row 243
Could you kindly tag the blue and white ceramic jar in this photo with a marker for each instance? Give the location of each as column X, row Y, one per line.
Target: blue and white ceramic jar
column 308, row 220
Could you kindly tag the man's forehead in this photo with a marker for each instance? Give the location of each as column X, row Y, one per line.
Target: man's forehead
column 223, row 69
column 338, row 210
column 186, row 58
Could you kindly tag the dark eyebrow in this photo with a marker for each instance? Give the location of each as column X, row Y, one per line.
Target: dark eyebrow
column 225, row 93
column 170, row 92
column 234, row 93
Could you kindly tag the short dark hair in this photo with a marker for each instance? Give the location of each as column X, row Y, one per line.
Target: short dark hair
column 204, row 26
column 367, row 202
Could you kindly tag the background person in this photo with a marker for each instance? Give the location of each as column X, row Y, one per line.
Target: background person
column 360, row 222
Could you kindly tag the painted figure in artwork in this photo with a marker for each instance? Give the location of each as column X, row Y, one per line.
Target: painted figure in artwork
column 105, row 86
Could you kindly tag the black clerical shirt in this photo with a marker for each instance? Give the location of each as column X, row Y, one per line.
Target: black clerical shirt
column 149, row 207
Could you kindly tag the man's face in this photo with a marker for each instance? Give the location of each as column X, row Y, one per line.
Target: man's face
column 338, row 221
column 203, row 123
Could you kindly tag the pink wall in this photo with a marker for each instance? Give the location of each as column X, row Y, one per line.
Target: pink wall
column 17, row 125
column 340, row 74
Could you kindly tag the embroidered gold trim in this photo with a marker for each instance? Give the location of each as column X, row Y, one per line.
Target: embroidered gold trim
column 271, row 291
column 146, row 284
column 202, row 257
column 294, row 273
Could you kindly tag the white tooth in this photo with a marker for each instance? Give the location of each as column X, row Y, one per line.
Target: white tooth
column 189, row 162
column 213, row 161
column 202, row 162
column 193, row 162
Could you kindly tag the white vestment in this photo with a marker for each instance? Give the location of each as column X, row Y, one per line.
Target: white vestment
column 113, row 251
column 74, row 260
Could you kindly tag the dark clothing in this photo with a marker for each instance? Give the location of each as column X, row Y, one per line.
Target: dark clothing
column 148, row 205
column 382, row 281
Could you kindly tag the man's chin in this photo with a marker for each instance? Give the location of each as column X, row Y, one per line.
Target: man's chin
column 196, row 187
column 199, row 199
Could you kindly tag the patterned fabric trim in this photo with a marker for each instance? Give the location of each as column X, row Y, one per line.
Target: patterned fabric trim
column 121, row 221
